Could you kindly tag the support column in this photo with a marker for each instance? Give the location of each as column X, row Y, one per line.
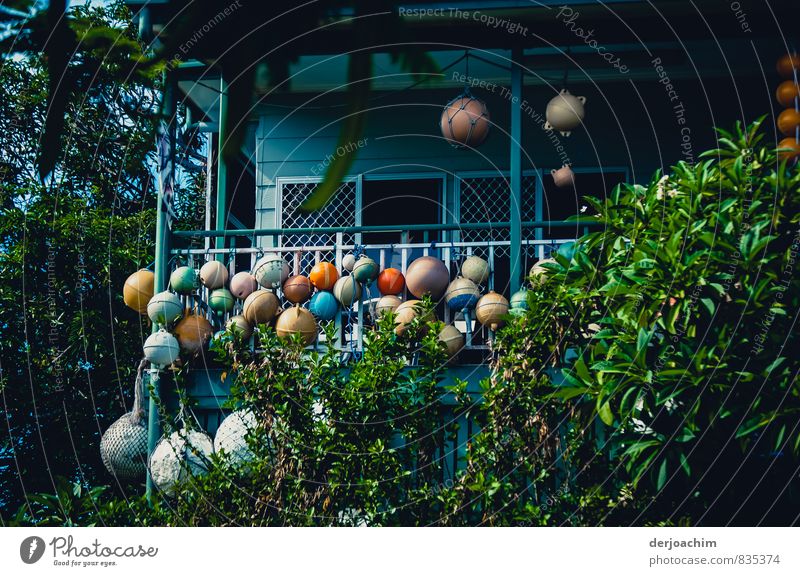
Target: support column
column 222, row 167
column 515, row 164
column 166, row 143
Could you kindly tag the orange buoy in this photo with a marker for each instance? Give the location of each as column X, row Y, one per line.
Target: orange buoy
column 297, row 289
column 787, row 64
column 786, row 93
column 323, row 276
column 788, row 121
column 192, row 332
column 297, row 320
column 465, row 121
column 793, row 145
column 391, row 281
column 138, row 290
column 260, row 307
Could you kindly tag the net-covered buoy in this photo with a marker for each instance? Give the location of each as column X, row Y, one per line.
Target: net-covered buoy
column 239, row 326
column 231, row 438
column 347, row 291
column 323, row 276
column 178, row 457
column 388, row 303
column 138, row 290
column 193, row 333
column 297, row 289
column 365, row 270
column 213, row 275
column 161, row 348
column 565, row 112
column 348, row 261
column 164, row 308
column 538, row 273
column 476, row 269
column 490, row 310
column 271, row 271
column 462, row 294
column 391, row 281
column 243, row 284
column 221, row 301
column 184, row 280
column 297, row 320
column 324, row 305
column 452, row 338
column 123, row 446
column 427, row 276
column 260, row 307
column 465, row 121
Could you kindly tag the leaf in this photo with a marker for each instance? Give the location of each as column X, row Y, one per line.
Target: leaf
column 604, row 411
column 662, row 475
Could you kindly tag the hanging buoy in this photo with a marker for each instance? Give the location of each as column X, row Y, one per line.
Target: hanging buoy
column 787, row 64
column 184, row 280
column 462, row 294
column 213, row 275
column 427, row 276
column 564, row 177
column 324, row 306
column 490, row 310
column 388, row 303
column 260, row 307
column 164, row 308
column 404, row 314
column 193, row 333
column 565, row 112
column 476, row 269
column 271, row 271
column 323, row 276
column 348, row 261
column 465, row 121
column 453, row 340
column 297, row 289
column 788, row 121
column 787, row 92
column 347, row 291
column 791, row 148
column 391, row 281
column 221, row 301
column 178, row 457
column 161, row 348
column 365, row 270
column 519, row 303
column 297, row 320
column 138, row 290
column 243, row 284
column 239, row 326
column 231, row 439
column 538, row 273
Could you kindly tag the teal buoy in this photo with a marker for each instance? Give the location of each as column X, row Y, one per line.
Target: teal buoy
column 221, row 301
column 184, row 280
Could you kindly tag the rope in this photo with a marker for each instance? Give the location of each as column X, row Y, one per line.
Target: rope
column 138, row 398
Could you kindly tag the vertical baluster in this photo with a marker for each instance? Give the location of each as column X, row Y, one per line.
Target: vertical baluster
column 296, row 262
column 491, row 267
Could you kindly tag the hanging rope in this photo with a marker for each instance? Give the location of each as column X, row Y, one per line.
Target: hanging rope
column 138, row 393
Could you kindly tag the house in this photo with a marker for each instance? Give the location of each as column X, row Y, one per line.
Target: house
column 656, row 76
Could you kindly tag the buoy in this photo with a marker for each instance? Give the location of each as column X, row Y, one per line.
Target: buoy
column 239, row 326
column 138, row 290
column 271, row 271
column 564, row 177
column 787, row 64
column 123, row 448
column 786, row 93
column 164, row 308
column 161, row 348
column 243, row 284
column 348, row 261
column 232, row 435
column 347, row 291
column 490, row 310
column 297, row 320
column 519, row 303
column 193, row 333
column 221, row 301
column 565, row 112
column 453, row 339
column 260, row 307
column 788, row 121
column 213, row 275
column 388, row 303
column 427, row 276
column 462, row 294
column 297, row 289
column 465, row 121
column 404, row 314
column 324, row 305
column 177, row 457
column 365, row 270
column 391, row 281
column 184, row 280
column 791, row 148
column 323, row 276
column 538, row 273
column 476, row 269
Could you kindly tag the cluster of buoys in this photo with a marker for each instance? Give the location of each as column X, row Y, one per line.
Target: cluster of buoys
column 788, row 96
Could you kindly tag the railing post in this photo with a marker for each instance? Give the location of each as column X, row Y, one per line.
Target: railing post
column 515, row 203
column 222, row 167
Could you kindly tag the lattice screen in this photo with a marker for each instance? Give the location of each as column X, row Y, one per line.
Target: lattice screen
column 340, row 211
